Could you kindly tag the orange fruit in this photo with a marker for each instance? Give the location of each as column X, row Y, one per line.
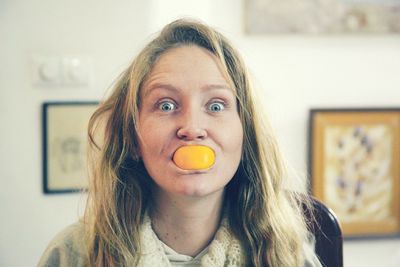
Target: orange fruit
column 194, row 157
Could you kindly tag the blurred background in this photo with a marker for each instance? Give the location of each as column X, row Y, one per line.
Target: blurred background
column 294, row 72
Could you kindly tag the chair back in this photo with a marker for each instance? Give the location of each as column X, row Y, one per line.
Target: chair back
column 328, row 235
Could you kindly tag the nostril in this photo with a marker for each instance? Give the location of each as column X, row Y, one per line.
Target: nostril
column 191, row 134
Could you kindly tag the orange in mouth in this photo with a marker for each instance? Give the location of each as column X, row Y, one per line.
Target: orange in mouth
column 194, row 157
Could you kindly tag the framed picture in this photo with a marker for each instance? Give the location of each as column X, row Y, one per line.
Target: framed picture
column 65, row 127
column 321, row 17
column 354, row 163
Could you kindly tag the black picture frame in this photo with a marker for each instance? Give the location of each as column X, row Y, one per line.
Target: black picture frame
column 64, row 140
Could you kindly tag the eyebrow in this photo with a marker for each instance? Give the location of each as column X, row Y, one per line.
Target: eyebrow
column 175, row 89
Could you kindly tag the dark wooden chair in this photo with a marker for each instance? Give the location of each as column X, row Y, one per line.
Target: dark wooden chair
column 328, row 235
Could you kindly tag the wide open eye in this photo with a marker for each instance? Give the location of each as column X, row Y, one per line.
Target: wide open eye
column 167, row 106
column 216, row 107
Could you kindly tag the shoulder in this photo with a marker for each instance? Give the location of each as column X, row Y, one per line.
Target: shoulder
column 67, row 248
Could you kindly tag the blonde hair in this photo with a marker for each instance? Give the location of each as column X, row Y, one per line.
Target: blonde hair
column 268, row 220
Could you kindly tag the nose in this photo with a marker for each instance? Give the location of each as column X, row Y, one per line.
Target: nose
column 191, row 127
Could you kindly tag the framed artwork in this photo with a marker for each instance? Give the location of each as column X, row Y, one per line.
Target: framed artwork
column 321, row 17
column 354, row 163
column 65, row 127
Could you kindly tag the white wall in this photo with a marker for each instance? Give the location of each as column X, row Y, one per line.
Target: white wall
column 110, row 35
column 295, row 73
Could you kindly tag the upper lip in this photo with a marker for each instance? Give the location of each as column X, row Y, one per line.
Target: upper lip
column 192, row 144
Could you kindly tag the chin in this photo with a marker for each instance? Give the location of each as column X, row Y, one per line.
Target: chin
column 192, row 191
column 196, row 191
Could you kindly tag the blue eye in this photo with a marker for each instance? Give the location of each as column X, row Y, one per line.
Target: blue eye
column 167, row 106
column 216, row 107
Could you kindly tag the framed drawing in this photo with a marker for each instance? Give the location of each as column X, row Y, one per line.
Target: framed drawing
column 354, row 163
column 64, row 145
column 324, row 16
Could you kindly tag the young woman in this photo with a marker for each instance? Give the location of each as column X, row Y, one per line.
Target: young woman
column 183, row 170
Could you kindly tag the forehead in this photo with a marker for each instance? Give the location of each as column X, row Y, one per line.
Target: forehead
column 187, row 66
column 184, row 54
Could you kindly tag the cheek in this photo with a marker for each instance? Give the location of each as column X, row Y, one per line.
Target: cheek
column 232, row 136
column 148, row 130
column 147, row 133
column 154, row 137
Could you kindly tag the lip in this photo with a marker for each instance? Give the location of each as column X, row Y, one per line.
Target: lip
column 189, row 172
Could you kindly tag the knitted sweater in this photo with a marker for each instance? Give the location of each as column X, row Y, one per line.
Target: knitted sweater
column 68, row 247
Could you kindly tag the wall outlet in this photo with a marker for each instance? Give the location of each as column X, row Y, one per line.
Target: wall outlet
column 61, row 71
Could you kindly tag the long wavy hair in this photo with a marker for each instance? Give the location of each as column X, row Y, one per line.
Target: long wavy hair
column 268, row 221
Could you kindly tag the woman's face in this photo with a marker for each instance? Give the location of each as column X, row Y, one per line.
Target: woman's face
column 186, row 100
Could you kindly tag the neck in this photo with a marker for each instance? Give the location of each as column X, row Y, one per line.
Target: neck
column 186, row 224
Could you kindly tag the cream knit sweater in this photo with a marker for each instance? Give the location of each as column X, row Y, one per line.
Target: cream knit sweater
column 224, row 250
column 67, row 248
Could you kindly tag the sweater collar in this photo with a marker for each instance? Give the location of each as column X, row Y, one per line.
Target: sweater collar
column 224, row 249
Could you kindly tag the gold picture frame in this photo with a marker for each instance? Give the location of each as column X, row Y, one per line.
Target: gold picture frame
column 64, row 145
column 354, row 163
